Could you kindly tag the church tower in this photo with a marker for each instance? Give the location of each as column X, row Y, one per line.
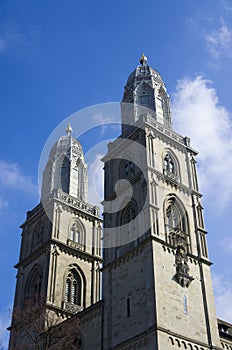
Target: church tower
column 60, row 256
column 157, row 286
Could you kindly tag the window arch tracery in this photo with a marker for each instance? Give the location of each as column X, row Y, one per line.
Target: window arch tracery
column 77, row 233
column 73, row 288
column 127, row 168
column 145, row 95
column 33, row 288
column 170, row 166
column 176, row 223
column 128, row 223
column 177, row 235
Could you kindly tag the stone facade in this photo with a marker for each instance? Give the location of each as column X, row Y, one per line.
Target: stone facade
column 156, row 282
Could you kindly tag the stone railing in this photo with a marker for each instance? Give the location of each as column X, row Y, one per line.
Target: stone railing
column 77, row 203
column 149, row 119
column 170, row 175
column 72, row 308
column 75, row 245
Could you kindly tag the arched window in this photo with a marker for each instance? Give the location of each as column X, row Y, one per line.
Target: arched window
column 37, row 237
column 200, row 216
column 65, row 174
column 176, row 223
column 77, row 233
column 130, row 214
column 33, row 287
column 145, row 95
column 73, row 288
column 169, row 164
column 129, row 168
column 175, row 218
column 170, row 168
column 128, row 224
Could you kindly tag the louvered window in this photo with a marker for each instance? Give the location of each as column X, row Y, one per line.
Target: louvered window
column 73, row 288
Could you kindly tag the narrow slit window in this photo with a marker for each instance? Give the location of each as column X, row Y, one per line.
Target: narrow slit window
column 185, row 305
column 128, row 307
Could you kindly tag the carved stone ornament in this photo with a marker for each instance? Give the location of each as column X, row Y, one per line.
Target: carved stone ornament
column 182, row 269
column 182, row 276
column 178, row 238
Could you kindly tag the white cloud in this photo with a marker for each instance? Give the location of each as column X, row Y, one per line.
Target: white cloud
column 219, row 41
column 198, row 114
column 227, row 5
column 223, row 297
column 101, row 119
column 11, row 176
column 4, row 334
column 105, row 122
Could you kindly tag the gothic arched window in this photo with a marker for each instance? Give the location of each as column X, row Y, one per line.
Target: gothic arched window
column 34, row 285
column 77, row 233
column 169, row 164
column 145, row 95
column 129, row 168
column 37, row 236
column 65, row 174
column 73, row 288
column 176, row 223
column 175, row 218
column 128, row 224
column 170, row 167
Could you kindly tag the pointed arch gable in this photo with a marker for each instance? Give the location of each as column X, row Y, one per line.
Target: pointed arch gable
column 37, row 235
column 77, row 295
column 145, row 95
column 126, row 219
column 168, row 158
column 77, row 232
column 62, row 172
column 33, row 285
column 127, row 167
column 127, row 207
column 176, row 221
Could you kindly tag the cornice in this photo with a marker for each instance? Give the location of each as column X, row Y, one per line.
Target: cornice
column 33, row 255
column 136, row 250
column 75, row 252
column 170, row 249
column 46, row 248
column 85, row 209
column 169, row 134
column 186, row 338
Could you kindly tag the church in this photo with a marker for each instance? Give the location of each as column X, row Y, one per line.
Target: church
column 140, row 278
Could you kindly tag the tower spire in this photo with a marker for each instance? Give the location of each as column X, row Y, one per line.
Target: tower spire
column 69, row 129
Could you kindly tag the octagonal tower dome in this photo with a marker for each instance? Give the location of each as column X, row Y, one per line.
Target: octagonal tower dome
column 66, row 168
column 146, row 90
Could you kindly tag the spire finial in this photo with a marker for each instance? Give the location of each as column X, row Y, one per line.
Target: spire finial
column 143, row 60
column 68, row 130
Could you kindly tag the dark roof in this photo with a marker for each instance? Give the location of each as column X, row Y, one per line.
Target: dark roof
column 225, row 329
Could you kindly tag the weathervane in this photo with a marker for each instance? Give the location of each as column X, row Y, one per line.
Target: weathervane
column 143, row 60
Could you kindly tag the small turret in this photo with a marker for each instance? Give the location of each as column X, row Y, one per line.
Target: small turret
column 66, row 168
column 146, row 90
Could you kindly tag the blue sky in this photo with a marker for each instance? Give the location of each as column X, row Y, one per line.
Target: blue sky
column 59, row 57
